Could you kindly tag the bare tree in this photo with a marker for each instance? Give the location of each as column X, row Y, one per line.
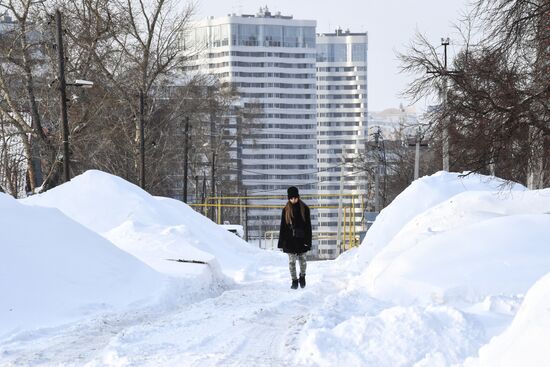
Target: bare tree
column 128, row 48
column 217, row 127
column 12, row 160
column 392, row 159
column 23, row 84
column 497, row 106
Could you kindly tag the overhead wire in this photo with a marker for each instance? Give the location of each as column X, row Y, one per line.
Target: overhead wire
column 299, row 174
column 306, row 184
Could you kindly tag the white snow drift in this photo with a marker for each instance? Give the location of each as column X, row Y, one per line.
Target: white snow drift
column 151, row 228
column 466, row 248
column 53, row 269
column 438, row 281
column 526, row 341
column 447, row 264
column 58, row 259
column 420, row 196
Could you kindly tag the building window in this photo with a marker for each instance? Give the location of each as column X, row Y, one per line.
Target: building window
column 359, row 52
column 248, row 35
column 322, row 52
column 292, row 36
column 339, row 53
column 309, row 37
column 220, row 35
column 332, row 52
column 273, row 35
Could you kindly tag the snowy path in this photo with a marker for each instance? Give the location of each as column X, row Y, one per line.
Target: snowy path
column 255, row 323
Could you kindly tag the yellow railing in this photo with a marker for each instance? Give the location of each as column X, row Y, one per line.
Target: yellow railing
column 349, row 215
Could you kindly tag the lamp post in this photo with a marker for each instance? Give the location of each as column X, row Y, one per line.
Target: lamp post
column 445, row 131
column 141, row 140
column 63, row 95
column 187, row 130
column 186, row 159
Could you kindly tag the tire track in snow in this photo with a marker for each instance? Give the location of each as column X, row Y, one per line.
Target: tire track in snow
column 257, row 323
column 76, row 343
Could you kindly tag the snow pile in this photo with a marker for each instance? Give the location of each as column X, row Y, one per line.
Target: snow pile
column 421, row 195
column 443, row 269
column 152, row 228
column 526, row 341
column 470, row 246
column 352, row 328
column 392, row 337
column 53, row 269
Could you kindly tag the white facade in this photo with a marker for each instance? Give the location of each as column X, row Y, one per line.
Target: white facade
column 342, row 128
column 394, row 123
column 271, row 61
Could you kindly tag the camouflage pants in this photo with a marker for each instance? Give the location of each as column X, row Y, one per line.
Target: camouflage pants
column 292, row 264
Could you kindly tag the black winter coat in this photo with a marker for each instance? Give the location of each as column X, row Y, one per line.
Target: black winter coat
column 295, row 238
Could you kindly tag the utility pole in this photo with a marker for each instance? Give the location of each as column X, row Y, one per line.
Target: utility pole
column 446, row 163
column 377, row 175
column 339, row 227
column 444, row 73
column 261, row 233
column 246, row 215
column 417, row 144
column 186, row 159
column 203, row 198
column 213, row 179
column 417, row 155
column 63, row 96
column 196, row 189
column 141, row 140
column 238, row 126
column 213, row 148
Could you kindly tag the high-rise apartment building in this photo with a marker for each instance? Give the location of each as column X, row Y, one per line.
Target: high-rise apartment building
column 342, row 127
column 270, row 59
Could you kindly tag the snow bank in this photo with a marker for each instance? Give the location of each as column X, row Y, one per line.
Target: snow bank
column 471, row 246
column 421, row 195
column 443, row 269
column 356, row 330
column 53, row 269
column 151, row 228
column 526, row 341
column 465, row 264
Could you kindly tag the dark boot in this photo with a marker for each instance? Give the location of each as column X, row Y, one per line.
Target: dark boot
column 294, row 284
column 302, row 280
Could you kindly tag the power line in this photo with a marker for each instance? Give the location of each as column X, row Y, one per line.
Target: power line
column 309, row 183
column 299, row 174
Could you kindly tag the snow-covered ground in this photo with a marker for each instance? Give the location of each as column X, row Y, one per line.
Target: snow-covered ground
column 455, row 272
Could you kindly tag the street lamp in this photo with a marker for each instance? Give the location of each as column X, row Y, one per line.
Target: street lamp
column 82, row 83
column 186, row 159
column 63, row 95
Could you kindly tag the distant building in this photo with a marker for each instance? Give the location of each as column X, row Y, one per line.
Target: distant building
column 342, row 123
column 394, row 123
column 393, row 136
column 270, row 58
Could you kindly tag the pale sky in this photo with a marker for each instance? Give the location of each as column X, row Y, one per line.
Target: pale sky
column 390, row 23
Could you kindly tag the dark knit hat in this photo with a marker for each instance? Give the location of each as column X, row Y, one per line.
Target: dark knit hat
column 292, row 192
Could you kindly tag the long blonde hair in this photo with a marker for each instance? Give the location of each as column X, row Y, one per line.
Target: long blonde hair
column 289, row 216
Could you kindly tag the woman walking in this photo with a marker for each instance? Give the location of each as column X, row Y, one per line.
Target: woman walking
column 295, row 235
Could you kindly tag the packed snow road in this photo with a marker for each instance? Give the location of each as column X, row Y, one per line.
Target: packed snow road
column 257, row 323
column 453, row 273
